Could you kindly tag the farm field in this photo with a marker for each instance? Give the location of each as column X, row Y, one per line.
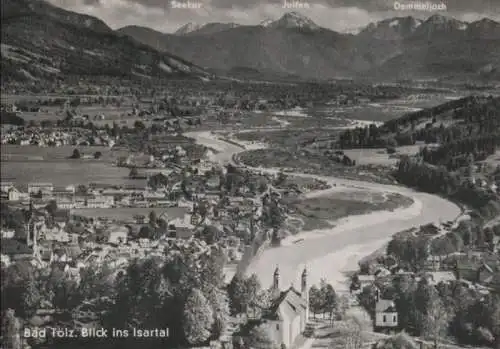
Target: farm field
column 12, row 152
column 128, row 213
column 65, row 172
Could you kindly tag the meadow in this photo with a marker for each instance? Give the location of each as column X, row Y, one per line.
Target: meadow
column 12, row 152
column 379, row 156
column 25, row 164
column 64, row 173
column 319, row 212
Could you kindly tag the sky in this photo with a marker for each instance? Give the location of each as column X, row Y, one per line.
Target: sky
column 338, row 15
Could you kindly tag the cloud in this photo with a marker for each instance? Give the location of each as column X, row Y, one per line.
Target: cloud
column 339, row 15
column 479, row 6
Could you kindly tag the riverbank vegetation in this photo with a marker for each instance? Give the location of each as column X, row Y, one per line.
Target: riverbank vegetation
column 322, row 212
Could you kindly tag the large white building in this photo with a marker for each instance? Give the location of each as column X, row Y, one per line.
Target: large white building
column 44, row 188
column 289, row 313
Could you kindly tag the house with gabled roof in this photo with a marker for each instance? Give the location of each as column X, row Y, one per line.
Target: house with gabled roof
column 386, row 315
column 488, row 275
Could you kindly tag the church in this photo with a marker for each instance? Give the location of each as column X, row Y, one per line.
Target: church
column 287, row 317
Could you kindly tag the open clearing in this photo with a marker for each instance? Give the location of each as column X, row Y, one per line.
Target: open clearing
column 379, row 156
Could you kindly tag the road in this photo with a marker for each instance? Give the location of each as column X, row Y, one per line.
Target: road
column 329, row 253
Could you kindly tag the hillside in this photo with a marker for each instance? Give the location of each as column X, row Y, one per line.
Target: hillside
column 43, row 42
column 455, row 140
column 455, row 121
column 397, row 48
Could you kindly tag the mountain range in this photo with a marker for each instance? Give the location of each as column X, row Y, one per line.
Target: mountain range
column 41, row 41
column 399, row 48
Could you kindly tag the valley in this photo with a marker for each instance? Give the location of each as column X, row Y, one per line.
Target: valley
column 248, row 175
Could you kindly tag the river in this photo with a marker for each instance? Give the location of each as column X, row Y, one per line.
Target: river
column 329, row 253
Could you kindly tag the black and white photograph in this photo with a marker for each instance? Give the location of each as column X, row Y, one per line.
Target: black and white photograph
column 250, row 174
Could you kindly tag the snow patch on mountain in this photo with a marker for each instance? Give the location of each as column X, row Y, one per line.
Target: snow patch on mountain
column 292, row 20
column 394, row 23
column 266, row 22
column 187, row 28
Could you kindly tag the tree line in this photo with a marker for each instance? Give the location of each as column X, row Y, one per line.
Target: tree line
column 414, row 172
column 182, row 290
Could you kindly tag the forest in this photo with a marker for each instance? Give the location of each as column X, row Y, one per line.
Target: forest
column 466, row 126
column 456, row 136
column 414, row 172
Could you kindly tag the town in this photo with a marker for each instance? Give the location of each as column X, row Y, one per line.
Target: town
column 75, row 238
column 250, row 183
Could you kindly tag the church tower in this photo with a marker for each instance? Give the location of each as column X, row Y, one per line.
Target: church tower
column 29, row 226
column 305, row 291
column 275, row 289
column 276, row 279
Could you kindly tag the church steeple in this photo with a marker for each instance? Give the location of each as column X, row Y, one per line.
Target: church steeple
column 29, row 225
column 303, row 284
column 305, row 291
column 276, row 279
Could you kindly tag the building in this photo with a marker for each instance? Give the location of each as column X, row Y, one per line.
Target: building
column 5, row 186
column 365, row 280
column 66, row 202
column 486, row 274
column 195, row 219
column 100, row 201
column 44, row 188
column 181, row 228
column 437, row 277
column 118, row 235
column 14, row 194
column 288, row 315
column 8, row 234
column 386, row 315
column 213, row 183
